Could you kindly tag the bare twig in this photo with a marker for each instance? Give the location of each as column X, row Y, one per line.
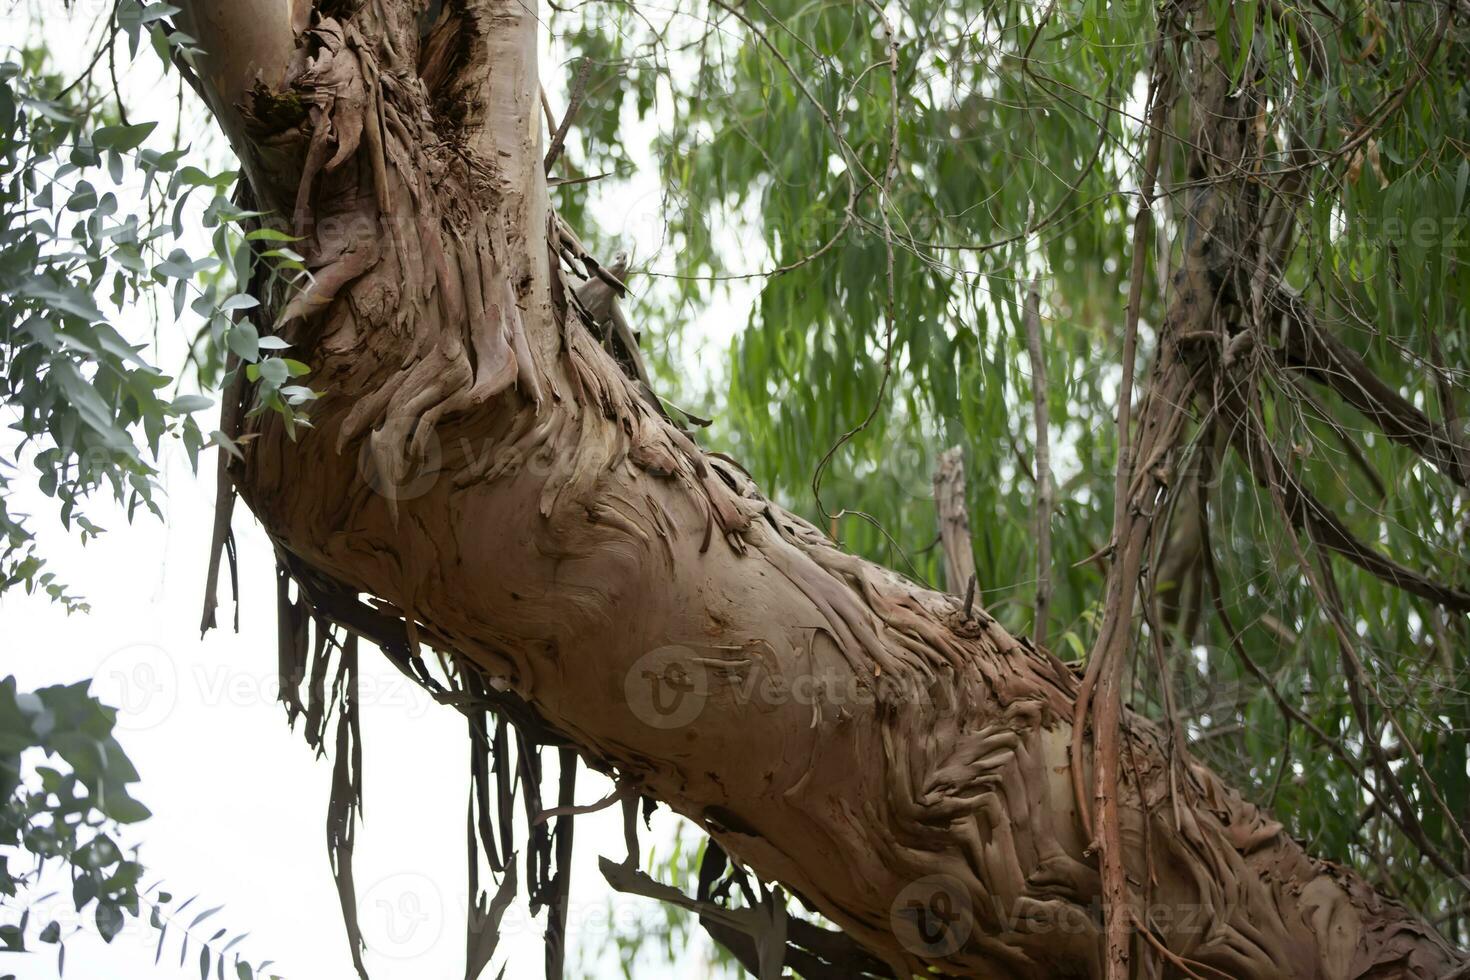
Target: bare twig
column 890, row 311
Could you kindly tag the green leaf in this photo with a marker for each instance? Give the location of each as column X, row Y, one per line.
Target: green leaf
column 274, row 371
column 123, row 808
column 122, row 138
column 109, row 920
column 217, row 438
column 244, row 340
column 270, row 235
column 84, row 198
column 240, row 301
column 190, row 403
column 204, row 915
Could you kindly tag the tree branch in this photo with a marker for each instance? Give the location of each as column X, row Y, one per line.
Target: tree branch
column 1335, row 365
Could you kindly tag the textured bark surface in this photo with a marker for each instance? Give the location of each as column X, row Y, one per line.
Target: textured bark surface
column 481, row 465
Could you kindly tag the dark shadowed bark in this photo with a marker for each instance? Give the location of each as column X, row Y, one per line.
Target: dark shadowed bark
column 483, row 467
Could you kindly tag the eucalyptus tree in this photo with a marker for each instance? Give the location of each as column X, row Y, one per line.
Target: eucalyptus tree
column 1230, row 235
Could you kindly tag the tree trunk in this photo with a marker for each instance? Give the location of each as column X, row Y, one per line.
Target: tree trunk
column 480, row 464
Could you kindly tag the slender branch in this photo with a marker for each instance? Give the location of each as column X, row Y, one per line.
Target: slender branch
column 1301, row 509
column 1340, row 368
column 1294, row 714
column 1044, row 489
column 1105, row 666
column 579, row 91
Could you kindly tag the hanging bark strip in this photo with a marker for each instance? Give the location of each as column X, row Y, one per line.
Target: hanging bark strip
column 344, row 809
column 492, row 478
column 561, row 883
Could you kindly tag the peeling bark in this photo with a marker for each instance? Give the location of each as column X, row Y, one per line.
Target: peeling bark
column 482, row 467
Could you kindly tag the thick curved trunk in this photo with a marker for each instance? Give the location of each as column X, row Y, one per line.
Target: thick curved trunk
column 479, row 462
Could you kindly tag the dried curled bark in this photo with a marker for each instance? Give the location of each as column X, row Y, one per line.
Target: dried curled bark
column 482, row 466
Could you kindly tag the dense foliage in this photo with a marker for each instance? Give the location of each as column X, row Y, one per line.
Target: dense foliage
column 94, row 219
column 1014, row 153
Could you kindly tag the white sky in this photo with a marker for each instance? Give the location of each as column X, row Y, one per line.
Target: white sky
column 239, row 803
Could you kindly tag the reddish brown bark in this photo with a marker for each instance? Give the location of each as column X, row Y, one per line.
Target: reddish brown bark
column 481, row 465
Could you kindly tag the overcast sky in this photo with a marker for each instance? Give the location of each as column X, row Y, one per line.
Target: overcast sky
column 239, row 803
